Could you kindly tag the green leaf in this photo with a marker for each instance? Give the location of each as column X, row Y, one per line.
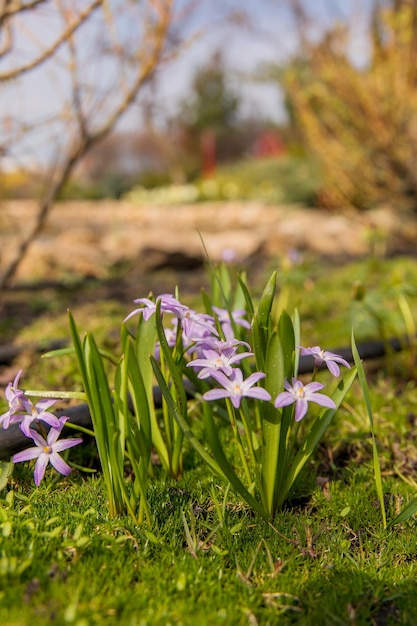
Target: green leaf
column 6, row 470
column 368, row 404
column 58, row 352
column 226, row 468
column 221, row 286
column 316, row 432
column 176, row 413
column 261, row 323
column 287, row 340
column 248, row 298
column 295, row 318
column 266, row 301
column 276, row 423
column 174, row 371
column 146, row 338
column 408, row 511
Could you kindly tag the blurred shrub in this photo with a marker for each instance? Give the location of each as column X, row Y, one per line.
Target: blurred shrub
column 287, row 179
column 19, row 184
column 361, row 123
column 110, row 185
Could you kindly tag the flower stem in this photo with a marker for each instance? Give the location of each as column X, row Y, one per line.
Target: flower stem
column 238, row 439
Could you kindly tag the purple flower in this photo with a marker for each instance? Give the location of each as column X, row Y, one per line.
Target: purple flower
column 38, row 412
column 219, row 345
column 21, row 410
column 171, row 337
column 302, row 394
column 19, row 405
column 236, row 388
column 226, row 324
column 46, row 451
column 168, row 304
column 215, row 361
column 195, row 324
column 324, row 356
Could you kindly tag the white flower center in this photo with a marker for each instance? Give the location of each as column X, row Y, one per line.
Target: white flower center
column 237, row 389
column 300, row 392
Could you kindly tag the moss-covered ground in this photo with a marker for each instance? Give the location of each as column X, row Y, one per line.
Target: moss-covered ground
column 324, row 559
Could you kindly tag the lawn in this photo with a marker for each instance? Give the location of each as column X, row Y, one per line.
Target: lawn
column 324, row 558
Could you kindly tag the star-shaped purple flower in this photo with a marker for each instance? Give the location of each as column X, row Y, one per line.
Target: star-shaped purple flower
column 19, row 405
column 38, row 412
column 236, row 388
column 46, row 451
column 225, row 321
column 301, row 395
column 148, row 308
column 325, row 356
column 21, row 409
column 214, row 361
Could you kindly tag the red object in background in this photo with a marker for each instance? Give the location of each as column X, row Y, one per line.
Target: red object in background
column 208, row 153
column 269, row 143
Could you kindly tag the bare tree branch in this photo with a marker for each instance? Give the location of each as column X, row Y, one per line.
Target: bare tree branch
column 50, row 51
column 87, row 126
column 8, row 8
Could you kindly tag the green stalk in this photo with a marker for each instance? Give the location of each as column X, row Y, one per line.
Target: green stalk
column 238, row 440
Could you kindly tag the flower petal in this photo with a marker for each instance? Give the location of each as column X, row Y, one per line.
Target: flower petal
column 63, row 444
column 253, row 379
column 216, row 394
column 284, row 399
column 59, row 464
column 323, row 400
column 258, row 392
column 26, row 455
column 40, row 467
column 301, row 407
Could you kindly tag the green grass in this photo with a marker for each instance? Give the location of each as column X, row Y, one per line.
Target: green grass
column 319, row 562
column 324, row 559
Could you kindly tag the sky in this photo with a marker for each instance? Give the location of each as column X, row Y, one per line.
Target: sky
column 267, row 36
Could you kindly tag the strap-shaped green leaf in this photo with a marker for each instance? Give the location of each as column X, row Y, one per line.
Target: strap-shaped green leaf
column 316, row 432
column 248, row 298
column 368, row 404
column 226, row 468
column 176, row 413
column 266, row 301
column 276, row 423
column 408, row 511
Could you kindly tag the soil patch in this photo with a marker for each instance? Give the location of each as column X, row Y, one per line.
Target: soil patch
column 116, row 249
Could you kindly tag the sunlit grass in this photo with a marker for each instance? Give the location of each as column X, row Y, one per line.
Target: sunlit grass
column 325, row 558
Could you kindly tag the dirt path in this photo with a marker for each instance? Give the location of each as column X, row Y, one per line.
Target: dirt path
column 89, row 239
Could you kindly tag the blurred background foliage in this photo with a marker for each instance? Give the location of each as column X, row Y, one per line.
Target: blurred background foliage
column 360, row 122
column 348, row 140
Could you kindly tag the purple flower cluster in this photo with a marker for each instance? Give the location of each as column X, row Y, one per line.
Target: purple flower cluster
column 217, row 357
column 22, row 411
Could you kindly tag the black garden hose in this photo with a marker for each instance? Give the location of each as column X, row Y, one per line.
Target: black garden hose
column 12, row 439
